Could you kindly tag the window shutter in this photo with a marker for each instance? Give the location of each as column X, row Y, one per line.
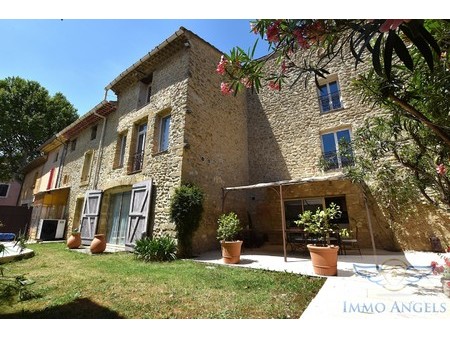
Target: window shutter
column 90, row 215
column 141, row 194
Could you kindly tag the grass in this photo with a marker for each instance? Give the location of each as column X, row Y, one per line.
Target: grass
column 75, row 285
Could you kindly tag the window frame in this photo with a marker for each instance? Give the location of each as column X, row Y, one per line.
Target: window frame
column 73, row 145
column 87, row 167
column 122, row 150
column 94, row 132
column 8, row 187
column 161, row 137
column 336, row 143
column 327, row 82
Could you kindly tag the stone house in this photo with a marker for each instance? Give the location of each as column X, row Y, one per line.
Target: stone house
column 121, row 162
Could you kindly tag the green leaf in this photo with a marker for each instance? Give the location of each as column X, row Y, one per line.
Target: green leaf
column 402, row 52
column 421, row 45
column 376, row 56
column 387, row 57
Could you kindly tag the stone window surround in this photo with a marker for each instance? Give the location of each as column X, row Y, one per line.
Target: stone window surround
column 329, row 79
column 334, row 132
column 86, row 169
column 134, row 143
column 121, row 147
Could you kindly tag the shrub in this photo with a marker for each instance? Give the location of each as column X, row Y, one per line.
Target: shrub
column 186, row 210
column 158, row 249
column 229, row 227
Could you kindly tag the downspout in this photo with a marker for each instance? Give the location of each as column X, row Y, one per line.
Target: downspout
column 100, row 148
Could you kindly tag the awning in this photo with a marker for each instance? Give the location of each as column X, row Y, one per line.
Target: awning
column 57, row 196
column 278, row 188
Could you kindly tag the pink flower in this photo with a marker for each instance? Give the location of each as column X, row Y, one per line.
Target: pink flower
column 225, row 88
column 391, row 24
column 274, row 85
column 301, row 40
column 441, row 169
column 272, row 32
column 222, row 65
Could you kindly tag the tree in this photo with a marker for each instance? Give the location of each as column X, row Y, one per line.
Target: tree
column 388, row 42
column 29, row 116
column 186, row 209
column 401, row 156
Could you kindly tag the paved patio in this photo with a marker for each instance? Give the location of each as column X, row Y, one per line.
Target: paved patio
column 390, row 285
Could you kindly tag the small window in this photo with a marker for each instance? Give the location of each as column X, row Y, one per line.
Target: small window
column 85, row 172
column 4, row 188
column 145, row 90
column 121, row 144
column 138, row 156
column 94, row 132
column 336, row 148
column 329, row 97
column 73, row 145
column 65, row 179
column 56, row 157
column 164, row 133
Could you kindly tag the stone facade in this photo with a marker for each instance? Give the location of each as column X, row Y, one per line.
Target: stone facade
column 216, row 141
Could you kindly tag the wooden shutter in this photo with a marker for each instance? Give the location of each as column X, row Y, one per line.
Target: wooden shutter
column 141, row 194
column 90, row 215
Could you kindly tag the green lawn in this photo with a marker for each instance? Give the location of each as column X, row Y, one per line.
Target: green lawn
column 75, row 285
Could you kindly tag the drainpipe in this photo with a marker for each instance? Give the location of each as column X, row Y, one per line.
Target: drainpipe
column 100, row 148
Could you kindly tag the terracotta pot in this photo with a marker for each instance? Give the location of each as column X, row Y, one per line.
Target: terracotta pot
column 324, row 259
column 446, row 286
column 74, row 240
column 231, row 252
column 98, row 245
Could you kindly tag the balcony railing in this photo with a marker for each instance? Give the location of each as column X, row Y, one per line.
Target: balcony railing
column 138, row 160
column 333, row 160
column 330, row 101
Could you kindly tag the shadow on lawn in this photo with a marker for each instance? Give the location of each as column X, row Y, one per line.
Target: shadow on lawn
column 82, row 308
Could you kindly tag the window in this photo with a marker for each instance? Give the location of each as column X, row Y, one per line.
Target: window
column 329, row 96
column 164, row 133
column 296, row 207
column 336, row 148
column 73, row 144
column 145, row 90
column 85, row 172
column 56, row 157
column 138, row 157
column 4, row 188
column 123, row 143
column 119, row 157
column 93, row 132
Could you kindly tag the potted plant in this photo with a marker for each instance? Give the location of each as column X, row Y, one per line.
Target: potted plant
column 74, row 240
column 229, row 228
column 321, row 225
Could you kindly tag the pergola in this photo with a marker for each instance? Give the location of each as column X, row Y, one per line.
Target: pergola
column 278, row 188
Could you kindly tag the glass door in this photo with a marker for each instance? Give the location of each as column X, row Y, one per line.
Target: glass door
column 119, row 207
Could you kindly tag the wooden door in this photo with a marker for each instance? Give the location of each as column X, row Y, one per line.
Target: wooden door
column 141, row 194
column 90, row 215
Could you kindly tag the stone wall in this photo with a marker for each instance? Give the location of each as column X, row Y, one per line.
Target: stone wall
column 216, row 134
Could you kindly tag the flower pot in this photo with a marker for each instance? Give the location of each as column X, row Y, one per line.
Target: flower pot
column 324, row 259
column 446, row 286
column 98, row 245
column 74, row 240
column 231, row 251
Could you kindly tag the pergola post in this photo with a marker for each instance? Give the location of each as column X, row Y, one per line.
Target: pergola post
column 283, row 222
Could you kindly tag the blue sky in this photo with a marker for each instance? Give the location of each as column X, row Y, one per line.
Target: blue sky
column 80, row 57
column 97, row 40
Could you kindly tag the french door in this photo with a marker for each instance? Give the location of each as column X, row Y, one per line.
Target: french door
column 119, row 208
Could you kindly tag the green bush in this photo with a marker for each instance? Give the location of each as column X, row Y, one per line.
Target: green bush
column 186, row 210
column 157, row 249
column 229, row 227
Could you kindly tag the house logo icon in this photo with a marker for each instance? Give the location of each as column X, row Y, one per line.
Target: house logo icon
column 393, row 274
